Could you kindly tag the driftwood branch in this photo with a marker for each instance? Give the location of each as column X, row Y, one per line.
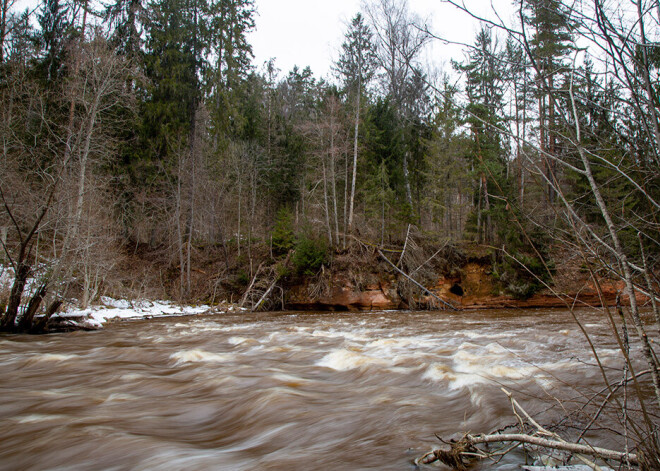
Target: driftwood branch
column 247, row 291
column 419, row 285
column 272, row 285
column 472, row 440
column 462, row 451
column 430, row 258
column 405, row 245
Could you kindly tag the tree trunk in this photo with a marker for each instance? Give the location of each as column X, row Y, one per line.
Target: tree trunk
column 3, row 28
column 406, row 181
column 326, row 208
column 20, row 278
column 25, row 323
column 552, row 142
column 82, row 174
column 355, row 156
column 179, row 230
column 333, row 177
column 488, row 223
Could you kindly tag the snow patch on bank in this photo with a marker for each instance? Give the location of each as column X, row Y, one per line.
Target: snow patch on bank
column 109, row 309
column 113, row 309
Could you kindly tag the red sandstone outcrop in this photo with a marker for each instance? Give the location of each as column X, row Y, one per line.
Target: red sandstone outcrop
column 474, row 288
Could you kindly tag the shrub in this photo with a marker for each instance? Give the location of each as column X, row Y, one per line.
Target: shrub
column 283, row 238
column 310, row 254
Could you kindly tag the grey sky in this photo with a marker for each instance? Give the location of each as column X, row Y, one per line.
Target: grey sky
column 310, row 32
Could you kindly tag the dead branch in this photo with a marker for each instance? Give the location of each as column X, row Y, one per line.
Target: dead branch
column 277, row 277
column 430, row 258
column 247, row 291
column 468, row 442
column 462, row 451
column 405, row 245
column 419, row 285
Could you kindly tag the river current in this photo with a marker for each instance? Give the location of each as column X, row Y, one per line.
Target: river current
column 284, row 391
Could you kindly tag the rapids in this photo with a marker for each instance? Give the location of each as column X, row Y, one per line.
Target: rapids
column 340, row 391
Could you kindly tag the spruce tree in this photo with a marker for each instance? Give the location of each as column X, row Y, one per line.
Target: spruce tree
column 55, row 27
column 484, row 116
column 550, row 43
column 229, row 23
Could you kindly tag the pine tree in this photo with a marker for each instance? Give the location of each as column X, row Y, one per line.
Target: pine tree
column 517, row 75
column 550, row 43
column 446, row 170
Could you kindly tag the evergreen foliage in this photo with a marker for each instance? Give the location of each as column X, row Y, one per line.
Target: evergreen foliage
column 311, row 253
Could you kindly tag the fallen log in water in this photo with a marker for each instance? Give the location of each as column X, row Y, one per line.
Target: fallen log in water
column 462, row 452
column 577, row 467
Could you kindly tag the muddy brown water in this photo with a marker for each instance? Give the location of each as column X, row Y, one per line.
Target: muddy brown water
column 285, row 391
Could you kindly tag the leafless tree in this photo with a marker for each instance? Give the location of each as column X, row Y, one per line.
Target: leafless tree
column 399, row 42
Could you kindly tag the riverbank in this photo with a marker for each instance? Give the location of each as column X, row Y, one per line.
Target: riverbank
column 462, row 279
column 359, row 278
column 110, row 310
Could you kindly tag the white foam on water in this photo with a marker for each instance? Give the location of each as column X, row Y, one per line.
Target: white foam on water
column 344, row 360
column 592, row 326
column 459, row 376
column 132, row 376
column 242, row 340
column 53, row 357
column 398, row 342
column 333, row 334
column 488, row 335
column 471, row 365
column 207, row 328
column 120, row 397
column 36, row 418
column 439, row 372
column 199, row 356
column 609, row 352
column 283, row 349
column 298, row 328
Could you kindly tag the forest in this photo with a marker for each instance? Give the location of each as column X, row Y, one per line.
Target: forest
column 142, row 134
column 143, row 147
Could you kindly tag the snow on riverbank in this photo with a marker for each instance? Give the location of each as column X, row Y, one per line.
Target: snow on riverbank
column 110, row 309
column 113, row 309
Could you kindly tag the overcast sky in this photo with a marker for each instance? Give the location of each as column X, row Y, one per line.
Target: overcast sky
column 310, row 32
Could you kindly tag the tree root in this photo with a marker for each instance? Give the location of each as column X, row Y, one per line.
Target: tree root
column 460, row 455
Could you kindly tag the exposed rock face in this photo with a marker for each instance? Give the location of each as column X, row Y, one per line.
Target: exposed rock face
column 473, row 288
column 344, row 296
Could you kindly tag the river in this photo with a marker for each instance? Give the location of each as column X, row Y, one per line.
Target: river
column 283, row 391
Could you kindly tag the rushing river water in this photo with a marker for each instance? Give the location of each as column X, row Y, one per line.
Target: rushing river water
column 289, row 391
